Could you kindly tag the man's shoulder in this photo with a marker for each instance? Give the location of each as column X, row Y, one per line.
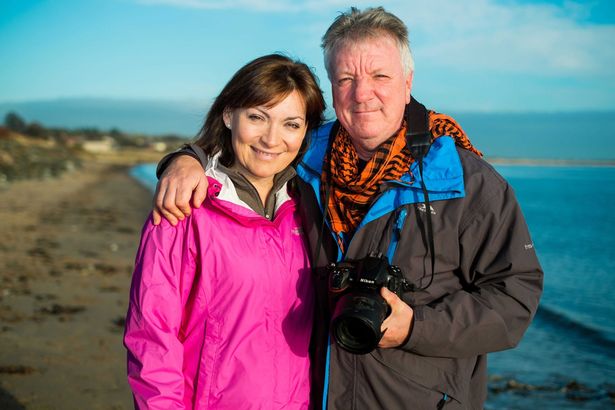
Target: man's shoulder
column 322, row 133
column 317, row 146
column 480, row 177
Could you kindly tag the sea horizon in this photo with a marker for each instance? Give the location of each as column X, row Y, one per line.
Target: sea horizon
column 578, row 136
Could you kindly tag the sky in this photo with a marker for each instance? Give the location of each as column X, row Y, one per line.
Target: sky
column 474, row 55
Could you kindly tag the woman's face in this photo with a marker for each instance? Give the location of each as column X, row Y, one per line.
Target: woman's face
column 267, row 139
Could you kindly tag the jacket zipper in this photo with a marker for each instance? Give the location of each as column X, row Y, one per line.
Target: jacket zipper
column 400, row 218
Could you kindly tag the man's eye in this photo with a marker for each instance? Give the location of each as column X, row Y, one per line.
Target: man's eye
column 344, row 80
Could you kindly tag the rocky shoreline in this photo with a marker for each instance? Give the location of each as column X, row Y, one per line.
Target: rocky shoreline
column 503, row 391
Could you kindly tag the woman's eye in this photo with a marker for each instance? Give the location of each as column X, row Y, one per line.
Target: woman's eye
column 254, row 117
column 294, row 125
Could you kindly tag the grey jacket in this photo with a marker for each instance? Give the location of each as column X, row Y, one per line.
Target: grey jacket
column 486, row 284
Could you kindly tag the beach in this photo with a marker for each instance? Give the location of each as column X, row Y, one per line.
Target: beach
column 67, row 251
column 66, row 257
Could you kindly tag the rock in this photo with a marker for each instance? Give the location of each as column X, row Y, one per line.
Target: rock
column 16, row 369
column 57, row 309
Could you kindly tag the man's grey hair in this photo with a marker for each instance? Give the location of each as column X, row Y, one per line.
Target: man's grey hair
column 356, row 25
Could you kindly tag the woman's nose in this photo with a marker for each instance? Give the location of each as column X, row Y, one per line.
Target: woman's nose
column 271, row 135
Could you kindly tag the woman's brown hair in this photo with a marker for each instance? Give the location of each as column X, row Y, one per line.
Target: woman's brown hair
column 264, row 81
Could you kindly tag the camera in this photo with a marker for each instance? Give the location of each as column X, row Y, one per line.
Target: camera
column 360, row 310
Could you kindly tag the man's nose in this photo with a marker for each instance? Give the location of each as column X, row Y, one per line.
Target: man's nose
column 363, row 90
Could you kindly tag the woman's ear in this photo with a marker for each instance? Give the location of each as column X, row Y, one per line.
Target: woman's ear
column 227, row 117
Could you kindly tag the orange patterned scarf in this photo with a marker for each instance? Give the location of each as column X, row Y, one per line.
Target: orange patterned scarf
column 352, row 191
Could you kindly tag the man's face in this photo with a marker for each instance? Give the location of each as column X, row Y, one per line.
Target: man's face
column 369, row 91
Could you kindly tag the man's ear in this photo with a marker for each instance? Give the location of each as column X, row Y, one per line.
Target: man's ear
column 409, row 86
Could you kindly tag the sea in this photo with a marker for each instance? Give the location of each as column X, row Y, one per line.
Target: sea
column 566, row 360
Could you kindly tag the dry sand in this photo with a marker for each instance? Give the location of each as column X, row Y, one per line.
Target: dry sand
column 67, row 249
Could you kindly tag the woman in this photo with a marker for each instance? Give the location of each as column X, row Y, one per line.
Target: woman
column 221, row 305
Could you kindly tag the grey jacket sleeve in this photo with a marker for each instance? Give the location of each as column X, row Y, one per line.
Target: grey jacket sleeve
column 192, row 150
column 502, row 283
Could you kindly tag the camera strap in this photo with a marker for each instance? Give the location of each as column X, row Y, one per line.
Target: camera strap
column 418, row 136
column 325, row 205
column 418, row 140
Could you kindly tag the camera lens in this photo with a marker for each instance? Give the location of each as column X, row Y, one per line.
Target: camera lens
column 357, row 320
column 355, row 335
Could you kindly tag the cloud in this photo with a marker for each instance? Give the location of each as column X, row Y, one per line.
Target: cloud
column 484, row 35
column 504, row 35
column 255, row 5
column 518, row 38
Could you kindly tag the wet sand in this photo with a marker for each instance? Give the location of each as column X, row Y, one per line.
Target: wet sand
column 67, row 249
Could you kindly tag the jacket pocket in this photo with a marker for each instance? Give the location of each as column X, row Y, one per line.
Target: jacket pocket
column 431, row 377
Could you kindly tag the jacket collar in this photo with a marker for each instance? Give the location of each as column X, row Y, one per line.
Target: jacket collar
column 441, row 166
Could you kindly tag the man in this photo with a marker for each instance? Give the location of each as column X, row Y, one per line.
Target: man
column 449, row 222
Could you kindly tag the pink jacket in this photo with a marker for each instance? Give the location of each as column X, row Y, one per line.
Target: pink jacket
column 220, row 310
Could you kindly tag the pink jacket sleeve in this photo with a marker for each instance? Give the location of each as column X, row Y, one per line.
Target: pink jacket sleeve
column 163, row 275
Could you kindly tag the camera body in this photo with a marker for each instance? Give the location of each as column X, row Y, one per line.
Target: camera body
column 359, row 309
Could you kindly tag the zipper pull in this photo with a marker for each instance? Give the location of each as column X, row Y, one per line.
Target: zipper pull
column 443, row 401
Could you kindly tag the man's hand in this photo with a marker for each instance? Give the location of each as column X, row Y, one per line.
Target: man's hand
column 175, row 188
column 396, row 326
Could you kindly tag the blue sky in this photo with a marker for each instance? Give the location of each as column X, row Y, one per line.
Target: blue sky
column 482, row 55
